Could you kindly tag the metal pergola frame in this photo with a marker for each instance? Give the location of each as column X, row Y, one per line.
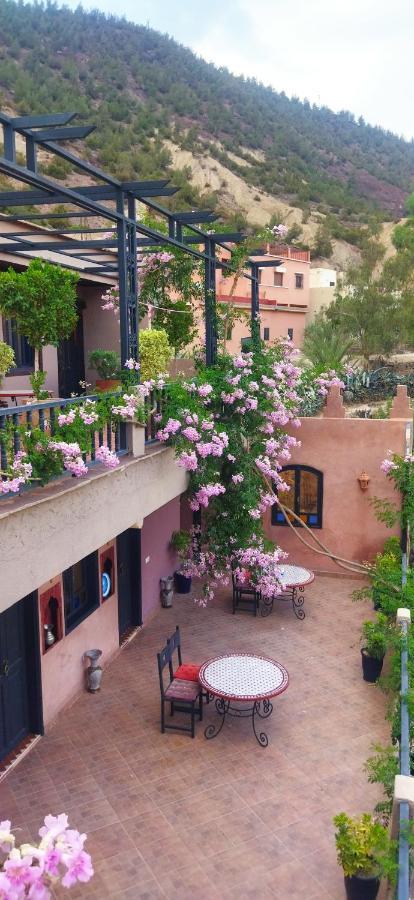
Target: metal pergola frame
column 46, row 131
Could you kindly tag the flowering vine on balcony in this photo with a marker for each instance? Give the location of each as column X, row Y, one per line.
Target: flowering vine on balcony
column 228, row 426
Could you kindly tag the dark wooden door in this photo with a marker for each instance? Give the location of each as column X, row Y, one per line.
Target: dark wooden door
column 128, row 551
column 71, row 361
column 14, row 693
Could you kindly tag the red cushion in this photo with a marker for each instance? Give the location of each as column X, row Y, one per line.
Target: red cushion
column 187, row 672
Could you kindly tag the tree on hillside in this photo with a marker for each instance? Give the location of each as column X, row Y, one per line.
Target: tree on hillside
column 370, row 305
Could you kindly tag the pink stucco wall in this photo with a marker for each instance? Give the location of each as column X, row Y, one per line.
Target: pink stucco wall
column 158, row 560
column 63, row 669
column 342, row 448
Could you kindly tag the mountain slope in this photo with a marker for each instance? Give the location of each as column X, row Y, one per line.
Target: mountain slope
column 148, row 95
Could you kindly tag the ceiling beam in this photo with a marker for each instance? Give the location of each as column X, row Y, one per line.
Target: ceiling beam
column 43, row 121
column 71, row 133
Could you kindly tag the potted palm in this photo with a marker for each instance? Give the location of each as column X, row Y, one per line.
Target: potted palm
column 365, row 853
column 107, row 364
column 180, row 542
column 374, row 638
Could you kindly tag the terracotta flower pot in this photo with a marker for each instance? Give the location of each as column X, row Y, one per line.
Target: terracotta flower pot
column 107, row 384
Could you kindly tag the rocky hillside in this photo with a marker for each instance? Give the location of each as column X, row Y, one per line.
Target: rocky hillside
column 229, row 142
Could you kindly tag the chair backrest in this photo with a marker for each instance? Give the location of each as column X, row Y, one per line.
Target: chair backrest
column 175, row 643
column 164, row 659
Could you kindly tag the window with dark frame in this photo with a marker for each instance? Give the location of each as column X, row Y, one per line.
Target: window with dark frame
column 81, row 590
column 290, row 334
column 259, row 276
column 304, row 497
column 266, row 334
column 23, row 352
column 278, row 279
column 298, row 280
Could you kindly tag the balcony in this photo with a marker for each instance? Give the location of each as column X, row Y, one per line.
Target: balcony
column 43, row 528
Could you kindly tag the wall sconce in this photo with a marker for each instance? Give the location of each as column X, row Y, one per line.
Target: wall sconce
column 364, row 481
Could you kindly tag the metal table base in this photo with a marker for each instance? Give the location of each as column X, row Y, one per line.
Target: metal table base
column 261, row 708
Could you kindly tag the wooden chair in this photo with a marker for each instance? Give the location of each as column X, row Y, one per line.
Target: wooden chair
column 185, row 671
column 183, row 696
column 245, row 596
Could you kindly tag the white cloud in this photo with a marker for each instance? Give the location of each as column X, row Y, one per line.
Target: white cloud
column 354, row 56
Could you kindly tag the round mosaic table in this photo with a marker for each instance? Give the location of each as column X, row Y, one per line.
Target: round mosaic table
column 294, row 580
column 242, row 678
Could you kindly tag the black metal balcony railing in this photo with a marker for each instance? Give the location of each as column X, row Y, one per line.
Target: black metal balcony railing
column 45, row 416
column 403, row 890
column 14, row 419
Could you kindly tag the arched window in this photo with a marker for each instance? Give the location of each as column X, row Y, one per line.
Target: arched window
column 305, row 497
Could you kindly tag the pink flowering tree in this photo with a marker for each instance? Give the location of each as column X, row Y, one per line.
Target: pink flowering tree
column 229, row 430
column 34, row 870
column 399, row 470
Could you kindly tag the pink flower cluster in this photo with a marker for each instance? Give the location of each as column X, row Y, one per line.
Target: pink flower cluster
column 326, row 379
column 261, row 569
column 111, row 299
column 33, row 870
column 203, row 496
column 86, row 412
column 21, row 471
column 132, row 365
column 107, row 457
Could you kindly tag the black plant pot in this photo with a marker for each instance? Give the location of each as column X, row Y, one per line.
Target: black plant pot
column 371, row 666
column 182, row 583
column 360, row 887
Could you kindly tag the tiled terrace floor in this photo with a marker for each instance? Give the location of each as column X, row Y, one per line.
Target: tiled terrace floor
column 171, row 817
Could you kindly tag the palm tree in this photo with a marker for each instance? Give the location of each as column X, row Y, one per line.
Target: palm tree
column 324, row 345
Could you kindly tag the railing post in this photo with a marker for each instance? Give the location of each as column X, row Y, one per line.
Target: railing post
column 404, row 784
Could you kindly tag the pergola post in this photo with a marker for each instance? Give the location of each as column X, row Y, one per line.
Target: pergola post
column 133, row 319
column 122, row 277
column 210, row 301
column 254, row 310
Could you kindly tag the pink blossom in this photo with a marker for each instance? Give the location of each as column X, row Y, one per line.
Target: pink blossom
column 107, row 456
column 237, row 479
column 79, row 869
column 132, row 365
column 191, row 434
column 188, row 461
column 204, row 390
column 387, row 466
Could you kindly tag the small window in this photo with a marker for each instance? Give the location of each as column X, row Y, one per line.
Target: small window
column 290, row 334
column 278, row 279
column 81, row 590
column 266, row 334
column 304, row 497
column 23, row 352
column 298, row 280
column 259, row 276
column 331, row 284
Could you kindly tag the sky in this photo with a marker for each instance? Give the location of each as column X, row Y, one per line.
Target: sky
column 353, row 55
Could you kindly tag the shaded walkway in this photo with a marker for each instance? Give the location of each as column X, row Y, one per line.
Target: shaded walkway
column 171, row 817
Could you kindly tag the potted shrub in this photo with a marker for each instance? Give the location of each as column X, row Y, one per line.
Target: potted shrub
column 107, row 364
column 365, row 853
column 7, row 360
column 180, row 542
column 374, row 638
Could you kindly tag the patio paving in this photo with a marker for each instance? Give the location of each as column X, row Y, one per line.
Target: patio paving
column 168, row 816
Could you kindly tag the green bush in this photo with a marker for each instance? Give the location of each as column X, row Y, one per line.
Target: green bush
column 375, row 636
column 364, row 848
column 154, row 353
column 7, row 360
